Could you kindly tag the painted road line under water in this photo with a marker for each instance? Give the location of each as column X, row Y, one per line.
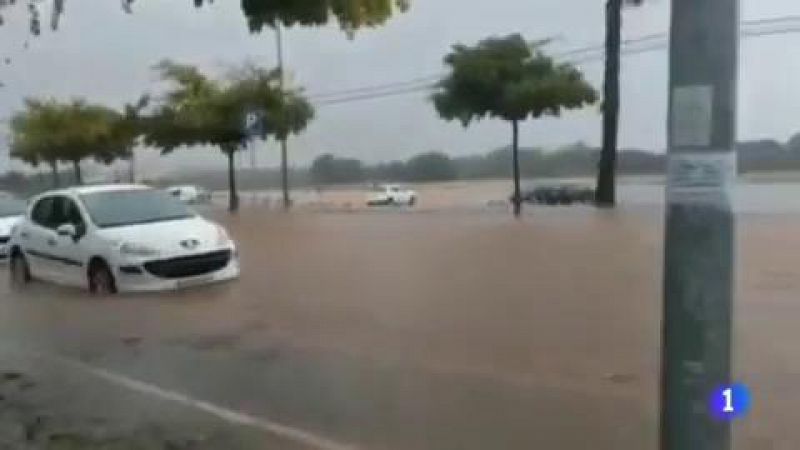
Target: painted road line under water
column 230, row 416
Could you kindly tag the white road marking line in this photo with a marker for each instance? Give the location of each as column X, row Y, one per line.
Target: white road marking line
column 234, row 417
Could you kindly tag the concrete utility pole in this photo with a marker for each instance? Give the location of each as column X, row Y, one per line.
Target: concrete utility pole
column 699, row 248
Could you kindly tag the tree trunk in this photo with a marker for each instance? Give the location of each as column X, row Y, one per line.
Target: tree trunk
column 78, row 176
column 233, row 195
column 56, row 177
column 606, row 184
column 287, row 202
column 517, row 198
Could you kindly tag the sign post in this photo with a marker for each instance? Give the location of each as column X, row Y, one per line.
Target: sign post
column 254, row 127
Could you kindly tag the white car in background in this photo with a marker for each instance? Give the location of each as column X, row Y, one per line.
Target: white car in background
column 119, row 238
column 391, row 194
column 11, row 212
column 190, row 194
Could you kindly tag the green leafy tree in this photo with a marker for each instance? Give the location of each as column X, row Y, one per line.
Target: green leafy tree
column 51, row 132
column 199, row 110
column 289, row 115
column 128, row 129
column 391, row 171
column 291, row 118
column 350, row 14
column 432, row 166
column 328, row 169
column 606, row 173
column 509, row 79
column 27, row 139
column 91, row 134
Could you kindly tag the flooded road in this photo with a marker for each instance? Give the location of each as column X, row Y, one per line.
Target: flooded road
column 435, row 330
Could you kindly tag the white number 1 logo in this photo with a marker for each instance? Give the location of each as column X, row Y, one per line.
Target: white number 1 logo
column 728, row 394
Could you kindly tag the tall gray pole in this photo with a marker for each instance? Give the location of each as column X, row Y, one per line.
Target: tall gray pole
column 132, row 166
column 699, row 247
column 284, row 144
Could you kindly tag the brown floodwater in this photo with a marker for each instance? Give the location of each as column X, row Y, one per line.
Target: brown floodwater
column 437, row 329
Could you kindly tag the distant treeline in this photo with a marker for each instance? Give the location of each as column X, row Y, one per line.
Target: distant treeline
column 569, row 161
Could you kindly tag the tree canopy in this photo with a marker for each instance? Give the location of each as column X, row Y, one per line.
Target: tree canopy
column 328, row 169
column 51, row 131
column 431, row 166
column 199, row 110
column 510, row 79
column 196, row 110
column 349, row 14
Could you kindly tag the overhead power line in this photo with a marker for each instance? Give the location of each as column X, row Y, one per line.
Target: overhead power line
column 750, row 28
column 642, row 44
column 410, row 90
column 377, row 87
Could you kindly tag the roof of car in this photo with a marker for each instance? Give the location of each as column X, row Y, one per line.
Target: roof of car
column 82, row 190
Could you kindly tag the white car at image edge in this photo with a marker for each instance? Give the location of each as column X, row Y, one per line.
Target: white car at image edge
column 11, row 211
column 118, row 238
column 391, row 194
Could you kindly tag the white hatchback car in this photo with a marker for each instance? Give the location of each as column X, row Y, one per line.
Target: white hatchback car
column 391, row 194
column 11, row 211
column 119, row 238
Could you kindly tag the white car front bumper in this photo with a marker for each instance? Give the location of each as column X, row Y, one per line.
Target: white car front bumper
column 144, row 281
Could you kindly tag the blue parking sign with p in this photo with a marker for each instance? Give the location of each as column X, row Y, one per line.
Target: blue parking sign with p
column 253, row 123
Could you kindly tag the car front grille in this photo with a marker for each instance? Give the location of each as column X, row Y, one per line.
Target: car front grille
column 189, row 266
column 4, row 239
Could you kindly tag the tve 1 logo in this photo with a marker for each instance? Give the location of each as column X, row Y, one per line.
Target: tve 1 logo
column 730, row 402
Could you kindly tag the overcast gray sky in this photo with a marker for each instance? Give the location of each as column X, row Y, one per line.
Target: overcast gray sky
column 105, row 55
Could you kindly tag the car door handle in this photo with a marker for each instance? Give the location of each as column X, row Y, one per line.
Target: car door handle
column 51, row 242
column 24, row 235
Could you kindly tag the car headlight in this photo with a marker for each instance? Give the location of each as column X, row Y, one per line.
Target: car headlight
column 222, row 236
column 133, row 249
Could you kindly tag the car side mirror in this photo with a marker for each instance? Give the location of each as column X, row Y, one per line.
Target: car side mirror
column 67, row 230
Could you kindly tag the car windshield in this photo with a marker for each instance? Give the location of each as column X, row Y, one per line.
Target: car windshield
column 119, row 208
column 11, row 207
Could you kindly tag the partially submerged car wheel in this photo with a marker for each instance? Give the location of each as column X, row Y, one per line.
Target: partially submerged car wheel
column 101, row 280
column 19, row 271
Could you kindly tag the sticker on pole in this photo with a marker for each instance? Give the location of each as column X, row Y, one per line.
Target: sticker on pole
column 700, row 177
column 692, row 116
